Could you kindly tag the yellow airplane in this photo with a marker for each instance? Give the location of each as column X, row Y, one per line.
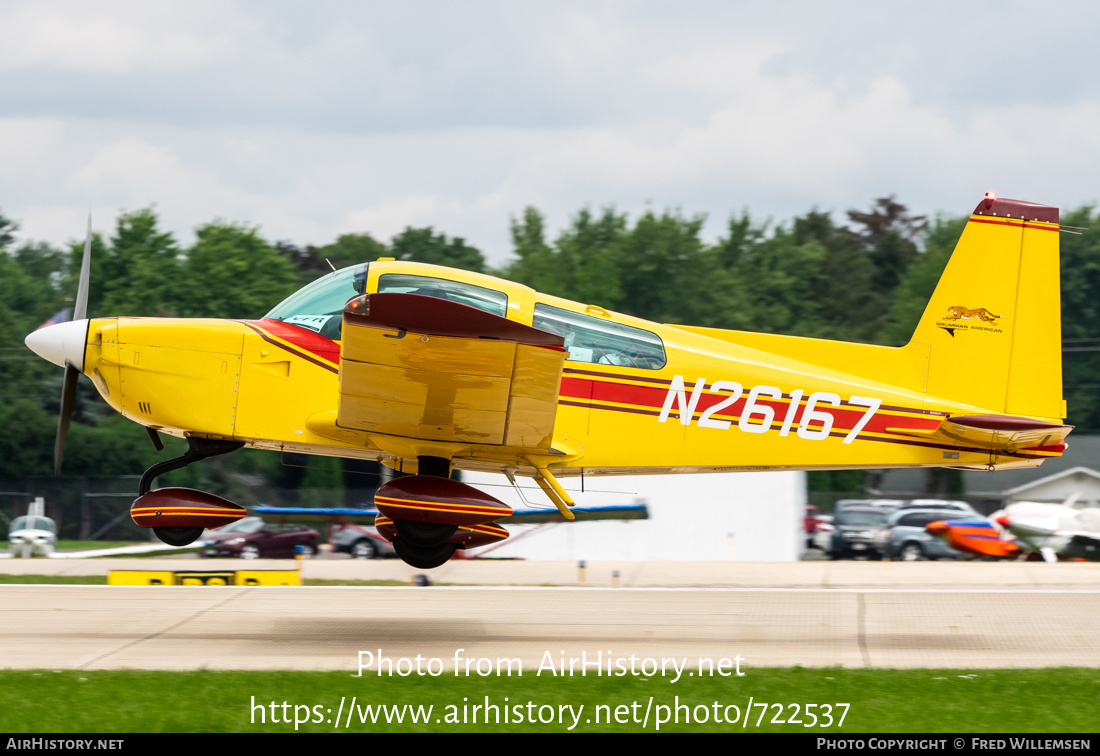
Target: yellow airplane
column 428, row 369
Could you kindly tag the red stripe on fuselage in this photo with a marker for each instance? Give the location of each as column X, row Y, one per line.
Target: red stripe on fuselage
column 654, row 399
column 302, row 338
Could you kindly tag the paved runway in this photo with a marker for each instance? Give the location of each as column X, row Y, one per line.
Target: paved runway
column 813, row 614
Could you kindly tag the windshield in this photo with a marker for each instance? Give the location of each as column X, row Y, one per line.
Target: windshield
column 33, row 523
column 864, row 518
column 319, row 306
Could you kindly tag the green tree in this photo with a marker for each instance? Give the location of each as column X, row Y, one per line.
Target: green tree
column 584, row 262
column 143, row 267
column 847, row 307
column 347, row 250
column 231, row 272
column 890, row 235
column 8, row 227
column 135, row 274
column 29, row 295
column 658, row 264
column 1081, row 319
column 424, row 245
column 919, row 281
column 779, row 295
column 534, row 264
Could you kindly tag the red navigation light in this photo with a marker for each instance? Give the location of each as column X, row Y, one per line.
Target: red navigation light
column 990, row 196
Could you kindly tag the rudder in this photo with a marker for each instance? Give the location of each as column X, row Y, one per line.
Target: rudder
column 991, row 334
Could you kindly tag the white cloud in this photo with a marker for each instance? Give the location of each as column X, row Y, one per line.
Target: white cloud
column 115, row 37
column 351, row 118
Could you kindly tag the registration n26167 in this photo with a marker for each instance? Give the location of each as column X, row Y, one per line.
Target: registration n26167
column 762, row 407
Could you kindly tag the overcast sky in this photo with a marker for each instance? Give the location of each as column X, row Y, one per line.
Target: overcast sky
column 321, row 118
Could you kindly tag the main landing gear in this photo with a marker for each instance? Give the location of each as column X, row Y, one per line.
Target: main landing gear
column 427, row 517
column 179, row 515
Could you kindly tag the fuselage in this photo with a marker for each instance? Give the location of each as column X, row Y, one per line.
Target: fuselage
column 635, row 396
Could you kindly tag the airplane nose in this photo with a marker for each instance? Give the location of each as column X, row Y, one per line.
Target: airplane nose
column 61, row 343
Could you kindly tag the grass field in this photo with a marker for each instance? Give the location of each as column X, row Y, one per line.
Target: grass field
column 936, row 700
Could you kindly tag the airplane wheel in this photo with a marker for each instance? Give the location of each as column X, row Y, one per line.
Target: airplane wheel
column 364, row 549
column 424, row 534
column 911, row 552
column 178, row 536
column 423, row 558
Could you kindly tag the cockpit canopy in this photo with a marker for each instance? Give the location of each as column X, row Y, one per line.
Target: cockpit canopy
column 319, row 306
column 595, row 340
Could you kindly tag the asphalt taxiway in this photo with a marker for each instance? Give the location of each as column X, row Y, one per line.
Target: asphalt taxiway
column 853, row 614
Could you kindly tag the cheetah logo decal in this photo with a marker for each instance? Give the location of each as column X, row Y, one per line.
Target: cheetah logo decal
column 962, row 313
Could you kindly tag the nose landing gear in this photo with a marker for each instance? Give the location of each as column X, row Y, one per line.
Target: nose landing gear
column 179, row 515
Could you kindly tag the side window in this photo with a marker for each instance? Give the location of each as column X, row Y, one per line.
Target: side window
column 601, row 342
column 489, row 300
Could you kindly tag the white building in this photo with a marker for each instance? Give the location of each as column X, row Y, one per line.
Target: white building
column 1079, row 486
column 741, row 517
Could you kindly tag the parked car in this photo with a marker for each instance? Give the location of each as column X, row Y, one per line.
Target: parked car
column 883, row 504
column 904, row 536
column 361, row 542
column 953, row 506
column 252, row 538
column 822, row 537
column 810, row 522
column 855, row 527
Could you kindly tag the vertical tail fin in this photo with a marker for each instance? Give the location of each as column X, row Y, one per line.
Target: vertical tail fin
column 992, row 332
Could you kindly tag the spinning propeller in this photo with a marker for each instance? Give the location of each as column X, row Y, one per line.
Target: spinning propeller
column 63, row 344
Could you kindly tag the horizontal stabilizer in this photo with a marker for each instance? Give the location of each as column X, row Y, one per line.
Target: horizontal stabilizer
column 995, row 432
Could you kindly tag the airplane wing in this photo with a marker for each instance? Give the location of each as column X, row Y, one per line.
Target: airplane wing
column 428, row 368
column 366, row 516
column 147, row 549
column 610, row 512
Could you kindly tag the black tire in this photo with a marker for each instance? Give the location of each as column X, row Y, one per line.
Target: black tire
column 364, row 548
column 423, row 558
column 911, row 552
column 178, row 536
column 424, row 534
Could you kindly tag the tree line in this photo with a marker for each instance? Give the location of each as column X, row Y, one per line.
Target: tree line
column 866, row 278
